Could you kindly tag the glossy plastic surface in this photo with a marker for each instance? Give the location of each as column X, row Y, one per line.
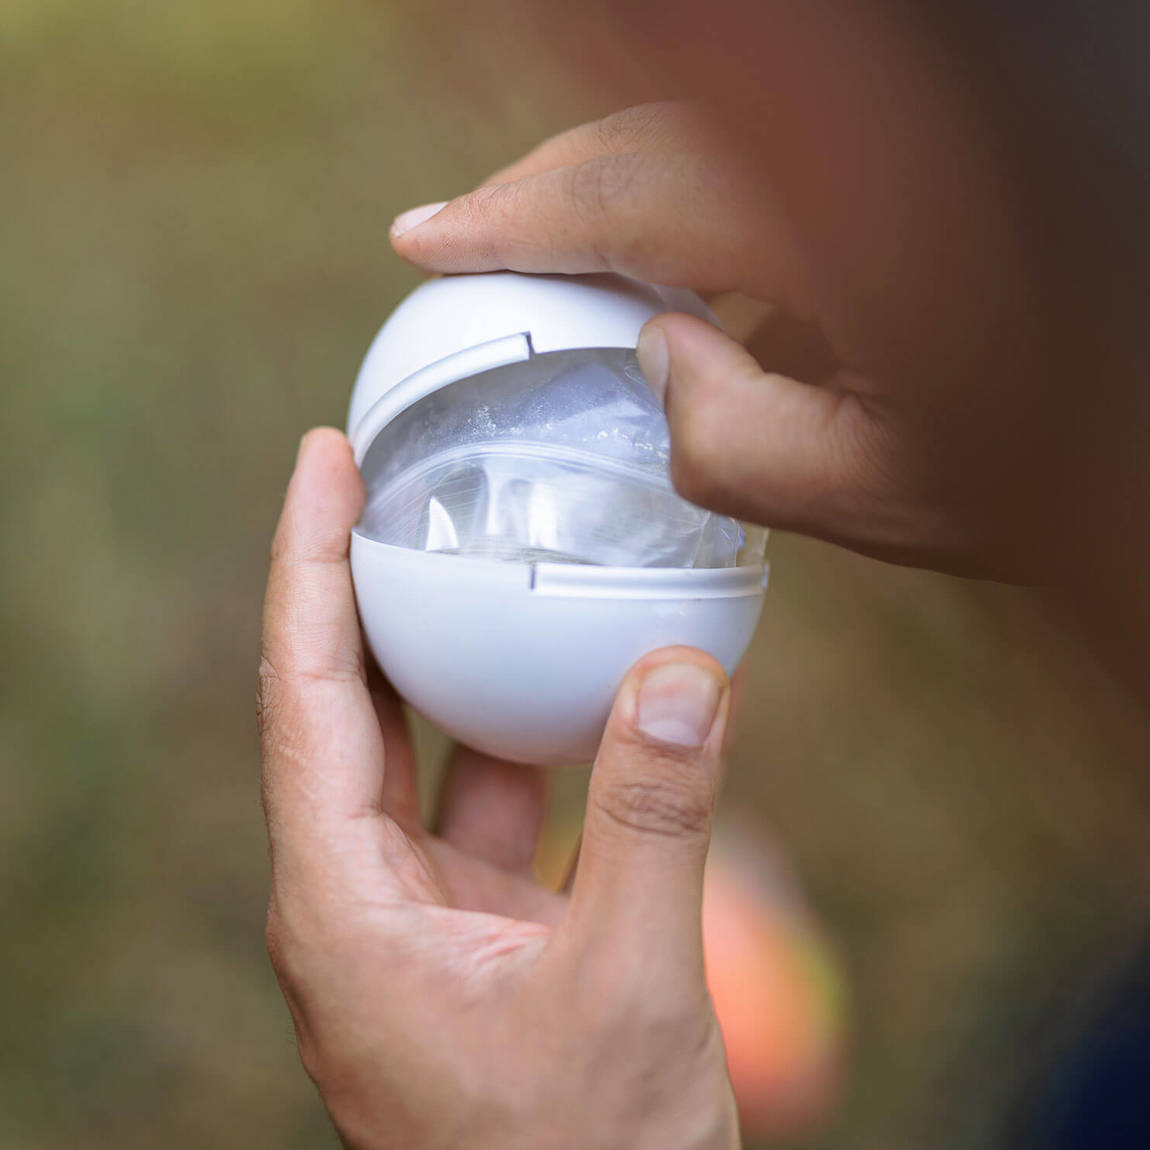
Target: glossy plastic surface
column 457, row 314
column 523, row 660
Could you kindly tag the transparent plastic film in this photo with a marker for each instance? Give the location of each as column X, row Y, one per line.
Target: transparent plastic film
column 563, row 458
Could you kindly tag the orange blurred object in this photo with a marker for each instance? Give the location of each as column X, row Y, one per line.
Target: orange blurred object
column 776, row 988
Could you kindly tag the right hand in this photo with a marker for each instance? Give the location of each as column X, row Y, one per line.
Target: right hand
column 923, row 442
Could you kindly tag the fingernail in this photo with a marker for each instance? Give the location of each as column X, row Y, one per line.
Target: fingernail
column 413, row 217
column 654, row 360
column 677, row 704
column 299, row 450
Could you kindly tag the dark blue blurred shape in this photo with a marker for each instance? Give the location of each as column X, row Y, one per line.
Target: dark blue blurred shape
column 1098, row 1095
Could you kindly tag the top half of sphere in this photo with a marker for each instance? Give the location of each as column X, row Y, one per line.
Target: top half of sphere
column 452, row 314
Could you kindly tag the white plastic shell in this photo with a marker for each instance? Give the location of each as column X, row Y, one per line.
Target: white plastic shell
column 523, row 661
column 493, row 319
column 518, row 659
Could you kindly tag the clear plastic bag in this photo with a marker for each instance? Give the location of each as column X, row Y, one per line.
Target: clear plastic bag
column 562, row 458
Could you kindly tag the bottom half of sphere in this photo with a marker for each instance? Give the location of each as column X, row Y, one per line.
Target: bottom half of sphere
column 523, row 660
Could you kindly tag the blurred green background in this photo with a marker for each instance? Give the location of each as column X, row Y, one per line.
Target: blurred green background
column 194, row 202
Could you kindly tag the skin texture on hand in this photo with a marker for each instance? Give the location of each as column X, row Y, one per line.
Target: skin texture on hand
column 954, row 194
column 441, row 996
column 903, row 445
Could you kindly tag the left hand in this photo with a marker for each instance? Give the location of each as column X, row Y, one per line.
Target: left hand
column 442, row 997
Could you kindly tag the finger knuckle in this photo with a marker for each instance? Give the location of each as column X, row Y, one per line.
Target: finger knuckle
column 664, row 1021
column 628, row 1017
column 699, row 440
column 287, row 956
column 596, row 185
column 630, row 127
column 645, row 125
column 617, row 131
column 866, row 454
column 268, row 691
column 603, row 196
column 671, row 806
column 492, row 218
column 298, row 934
column 478, row 206
column 480, row 213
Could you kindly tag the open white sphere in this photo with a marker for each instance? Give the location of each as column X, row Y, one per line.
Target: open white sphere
column 522, row 547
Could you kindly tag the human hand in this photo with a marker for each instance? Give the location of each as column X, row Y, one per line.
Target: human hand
column 919, row 439
column 441, row 996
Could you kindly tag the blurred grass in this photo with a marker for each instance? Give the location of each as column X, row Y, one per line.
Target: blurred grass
column 193, row 256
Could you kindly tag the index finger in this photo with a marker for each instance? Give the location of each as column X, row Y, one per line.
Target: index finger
column 682, row 219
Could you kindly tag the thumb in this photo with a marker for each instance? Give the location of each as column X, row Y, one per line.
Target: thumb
column 639, row 881
column 762, row 446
